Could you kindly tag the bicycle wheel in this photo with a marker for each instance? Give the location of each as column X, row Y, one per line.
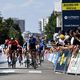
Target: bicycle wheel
column 34, row 60
column 34, row 63
column 14, row 59
column 20, row 61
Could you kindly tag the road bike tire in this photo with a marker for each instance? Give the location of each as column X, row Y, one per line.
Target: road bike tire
column 13, row 60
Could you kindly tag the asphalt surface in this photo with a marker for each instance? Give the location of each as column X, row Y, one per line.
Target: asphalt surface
column 43, row 72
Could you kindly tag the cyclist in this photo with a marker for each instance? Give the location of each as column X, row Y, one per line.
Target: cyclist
column 32, row 48
column 41, row 48
column 13, row 44
column 32, row 43
column 12, row 48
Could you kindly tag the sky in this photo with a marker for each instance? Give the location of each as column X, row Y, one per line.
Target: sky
column 29, row 10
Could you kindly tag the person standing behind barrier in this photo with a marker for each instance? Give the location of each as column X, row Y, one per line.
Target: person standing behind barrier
column 6, row 43
column 61, row 40
column 46, row 53
column 74, row 43
column 6, row 48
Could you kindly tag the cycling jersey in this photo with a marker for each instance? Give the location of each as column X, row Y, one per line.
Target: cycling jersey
column 13, row 44
column 32, row 43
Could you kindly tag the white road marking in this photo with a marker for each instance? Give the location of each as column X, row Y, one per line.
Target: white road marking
column 58, row 72
column 35, row 71
column 8, row 71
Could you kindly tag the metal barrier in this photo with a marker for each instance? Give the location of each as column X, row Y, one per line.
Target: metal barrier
column 74, row 66
column 62, row 61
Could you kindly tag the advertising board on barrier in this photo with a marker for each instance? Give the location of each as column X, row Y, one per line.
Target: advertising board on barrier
column 74, row 66
column 52, row 57
column 55, row 57
column 61, row 65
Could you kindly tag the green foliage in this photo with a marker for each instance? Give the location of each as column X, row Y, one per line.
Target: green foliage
column 9, row 22
column 12, row 32
column 16, row 27
column 50, row 27
column 8, row 29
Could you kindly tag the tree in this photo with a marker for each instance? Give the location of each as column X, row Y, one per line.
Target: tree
column 12, row 32
column 16, row 27
column 9, row 23
column 50, row 27
column 8, row 29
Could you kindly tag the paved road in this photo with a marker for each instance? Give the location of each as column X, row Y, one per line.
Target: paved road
column 44, row 72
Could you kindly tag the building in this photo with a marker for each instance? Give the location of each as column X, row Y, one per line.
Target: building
column 58, row 19
column 58, row 12
column 57, row 5
column 20, row 22
column 42, row 23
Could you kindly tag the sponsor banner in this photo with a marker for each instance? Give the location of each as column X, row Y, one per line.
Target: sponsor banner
column 52, row 57
column 74, row 66
column 61, row 65
column 3, row 58
column 70, row 1
column 71, row 19
column 70, row 14
column 55, row 58
column 70, row 6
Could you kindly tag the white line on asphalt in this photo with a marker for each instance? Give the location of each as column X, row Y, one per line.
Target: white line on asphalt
column 8, row 71
column 35, row 71
column 58, row 72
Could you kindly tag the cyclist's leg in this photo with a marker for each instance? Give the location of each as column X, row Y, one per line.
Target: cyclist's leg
column 9, row 58
column 37, row 56
column 14, row 58
column 42, row 55
column 31, row 53
column 35, row 59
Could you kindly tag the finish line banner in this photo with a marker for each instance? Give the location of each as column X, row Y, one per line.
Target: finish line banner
column 70, row 14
